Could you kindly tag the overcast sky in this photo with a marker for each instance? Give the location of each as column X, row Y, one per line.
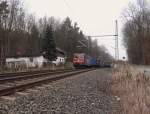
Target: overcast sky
column 94, row 17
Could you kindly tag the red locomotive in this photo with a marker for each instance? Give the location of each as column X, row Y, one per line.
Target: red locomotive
column 83, row 60
column 79, row 59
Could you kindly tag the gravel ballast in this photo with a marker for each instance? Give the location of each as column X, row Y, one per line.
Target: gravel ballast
column 86, row 93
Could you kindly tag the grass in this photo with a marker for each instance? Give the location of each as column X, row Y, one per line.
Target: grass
column 133, row 89
column 22, row 68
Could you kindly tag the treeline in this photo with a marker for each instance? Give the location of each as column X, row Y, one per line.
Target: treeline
column 22, row 34
column 137, row 32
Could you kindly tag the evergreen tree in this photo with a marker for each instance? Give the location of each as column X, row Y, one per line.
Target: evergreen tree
column 49, row 46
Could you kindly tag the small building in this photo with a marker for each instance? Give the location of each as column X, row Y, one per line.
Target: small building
column 61, row 57
column 34, row 61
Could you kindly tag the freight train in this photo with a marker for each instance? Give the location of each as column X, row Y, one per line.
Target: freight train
column 82, row 60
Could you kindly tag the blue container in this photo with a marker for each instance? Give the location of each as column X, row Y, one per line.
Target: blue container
column 93, row 62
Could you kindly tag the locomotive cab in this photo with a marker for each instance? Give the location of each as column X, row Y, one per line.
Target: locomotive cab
column 79, row 60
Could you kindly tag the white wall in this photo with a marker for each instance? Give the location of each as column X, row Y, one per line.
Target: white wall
column 37, row 61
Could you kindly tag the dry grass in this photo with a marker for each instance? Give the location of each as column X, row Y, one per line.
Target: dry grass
column 133, row 88
column 23, row 68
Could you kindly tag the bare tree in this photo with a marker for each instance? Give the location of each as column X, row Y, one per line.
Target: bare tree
column 3, row 16
column 136, row 32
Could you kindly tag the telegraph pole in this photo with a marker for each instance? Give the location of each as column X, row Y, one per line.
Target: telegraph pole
column 89, row 48
column 116, row 42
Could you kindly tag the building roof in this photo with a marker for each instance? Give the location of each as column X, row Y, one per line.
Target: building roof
column 58, row 52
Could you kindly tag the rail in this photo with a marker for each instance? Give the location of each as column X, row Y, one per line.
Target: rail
column 39, row 79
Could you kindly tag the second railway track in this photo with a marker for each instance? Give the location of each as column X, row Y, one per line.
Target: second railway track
column 27, row 75
column 10, row 85
column 4, row 75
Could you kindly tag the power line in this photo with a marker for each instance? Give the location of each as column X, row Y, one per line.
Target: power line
column 67, row 4
column 116, row 40
column 103, row 36
column 71, row 10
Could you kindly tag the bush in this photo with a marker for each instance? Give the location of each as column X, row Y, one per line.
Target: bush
column 133, row 88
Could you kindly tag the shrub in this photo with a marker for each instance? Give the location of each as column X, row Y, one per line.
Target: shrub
column 133, row 88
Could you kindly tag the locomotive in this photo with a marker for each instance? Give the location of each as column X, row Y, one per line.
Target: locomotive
column 82, row 60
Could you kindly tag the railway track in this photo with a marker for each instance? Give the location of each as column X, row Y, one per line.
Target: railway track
column 19, row 82
column 28, row 75
column 4, row 75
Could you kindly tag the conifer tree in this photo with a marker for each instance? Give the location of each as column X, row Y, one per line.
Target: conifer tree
column 49, row 46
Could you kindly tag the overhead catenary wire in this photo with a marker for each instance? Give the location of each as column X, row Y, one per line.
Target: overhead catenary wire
column 68, row 6
column 71, row 10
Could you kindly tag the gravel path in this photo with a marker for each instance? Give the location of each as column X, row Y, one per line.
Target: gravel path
column 87, row 93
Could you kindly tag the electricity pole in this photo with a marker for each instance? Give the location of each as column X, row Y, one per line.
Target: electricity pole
column 116, row 42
